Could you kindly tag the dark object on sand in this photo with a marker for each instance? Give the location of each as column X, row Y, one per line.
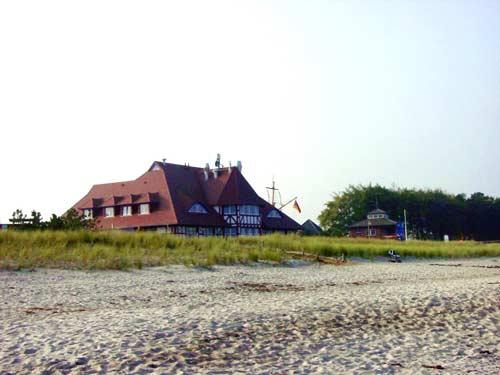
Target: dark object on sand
column 436, row 367
column 394, row 257
column 396, row 364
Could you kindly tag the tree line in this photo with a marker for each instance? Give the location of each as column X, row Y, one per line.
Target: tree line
column 71, row 220
column 430, row 213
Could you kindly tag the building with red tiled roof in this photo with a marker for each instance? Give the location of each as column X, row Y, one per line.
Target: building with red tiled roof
column 185, row 200
column 377, row 225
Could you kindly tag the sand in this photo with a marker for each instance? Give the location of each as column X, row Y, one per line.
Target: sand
column 373, row 318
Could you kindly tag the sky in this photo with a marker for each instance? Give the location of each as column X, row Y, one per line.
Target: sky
column 320, row 95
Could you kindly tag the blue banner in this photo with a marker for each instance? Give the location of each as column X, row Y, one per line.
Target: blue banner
column 400, row 230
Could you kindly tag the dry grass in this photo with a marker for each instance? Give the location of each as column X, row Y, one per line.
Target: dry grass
column 125, row 250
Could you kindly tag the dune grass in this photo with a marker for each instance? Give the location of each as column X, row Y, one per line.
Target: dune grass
column 126, row 250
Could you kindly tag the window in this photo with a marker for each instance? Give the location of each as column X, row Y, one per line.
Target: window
column 126, row 210
column 371, row 232
column 230, row 232
column 274, row 214
column 197, row 209
column 109, row 212
column 188, row 231
column 250, row 220
column 204, row 231
column 144, row 209
column 191, row 231
column 249, row 231
column 247, row 209
column 229, row 210
column 88, row 214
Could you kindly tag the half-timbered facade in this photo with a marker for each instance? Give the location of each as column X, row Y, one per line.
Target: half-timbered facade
column 185, row 200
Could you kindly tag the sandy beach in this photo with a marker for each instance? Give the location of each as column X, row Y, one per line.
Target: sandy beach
column 421, row 317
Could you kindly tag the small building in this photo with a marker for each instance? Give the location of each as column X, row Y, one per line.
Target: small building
column 185, row 200
column 311, row 228
column 376, row 225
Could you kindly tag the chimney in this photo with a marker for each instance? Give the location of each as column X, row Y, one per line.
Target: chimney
column 239, row 165
column 206, row 170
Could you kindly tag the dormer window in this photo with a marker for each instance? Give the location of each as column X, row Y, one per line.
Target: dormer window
column 126, row 210
column 197, row 209
column 144, row 209
column 274, row 214
column 109, row 212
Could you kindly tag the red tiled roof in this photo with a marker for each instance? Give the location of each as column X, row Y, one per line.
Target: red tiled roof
column 237, row 190
column 184, row 185
column 213, row 187
column 173, row 189
column 151, row 183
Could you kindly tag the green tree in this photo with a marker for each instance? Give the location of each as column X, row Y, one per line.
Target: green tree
column 430, row 213
column 19, row 220
column 55, row 223
column 72, row 220
column 36, row 221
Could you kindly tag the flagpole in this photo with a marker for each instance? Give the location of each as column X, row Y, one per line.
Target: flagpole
column 287, row 203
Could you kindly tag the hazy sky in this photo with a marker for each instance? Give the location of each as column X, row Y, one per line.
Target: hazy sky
column 321, row 94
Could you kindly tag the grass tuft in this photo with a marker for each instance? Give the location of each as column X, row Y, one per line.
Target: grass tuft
column 125, row 250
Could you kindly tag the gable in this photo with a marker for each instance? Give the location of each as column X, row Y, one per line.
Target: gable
column 238, row 191
column 183, row 183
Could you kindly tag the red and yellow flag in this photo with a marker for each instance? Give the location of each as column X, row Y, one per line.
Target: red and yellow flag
column 297, row 207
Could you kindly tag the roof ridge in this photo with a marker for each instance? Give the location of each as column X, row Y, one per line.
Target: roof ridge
column 113, row 183
column 162, row 163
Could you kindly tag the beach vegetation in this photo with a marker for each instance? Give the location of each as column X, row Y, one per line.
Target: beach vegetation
column 84, row 249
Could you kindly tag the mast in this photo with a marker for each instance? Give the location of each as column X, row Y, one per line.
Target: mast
column 273, row 189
